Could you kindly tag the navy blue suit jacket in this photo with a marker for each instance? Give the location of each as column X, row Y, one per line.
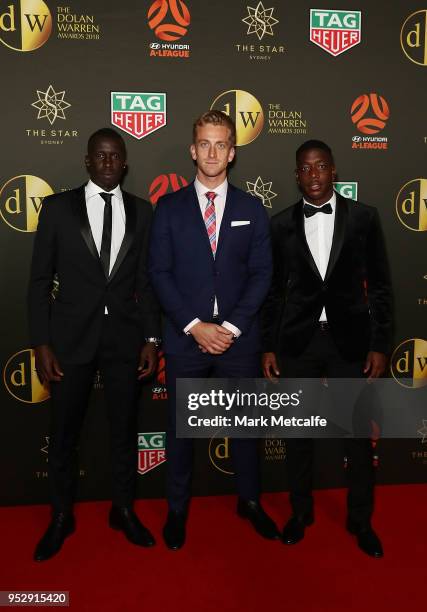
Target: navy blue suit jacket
column 186, row 276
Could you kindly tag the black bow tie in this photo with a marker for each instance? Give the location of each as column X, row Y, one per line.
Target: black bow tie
column 309, row 210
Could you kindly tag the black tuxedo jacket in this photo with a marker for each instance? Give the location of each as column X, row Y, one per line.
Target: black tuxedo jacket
column 72, row 322
column 356, row 291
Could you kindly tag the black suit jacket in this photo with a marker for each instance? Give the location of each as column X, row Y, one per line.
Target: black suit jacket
column 356, row 291
column 72, row 322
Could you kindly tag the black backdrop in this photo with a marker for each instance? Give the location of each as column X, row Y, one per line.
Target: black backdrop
column 361, row 88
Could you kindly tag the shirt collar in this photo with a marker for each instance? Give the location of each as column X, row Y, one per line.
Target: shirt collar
column 221, row 190
column 332, row 202
column 92, row 189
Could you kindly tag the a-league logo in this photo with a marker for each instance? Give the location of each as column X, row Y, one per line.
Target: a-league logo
column 370, row 113
column 25, row 25
column 138, row 114
column 21, row 380
column 151, row 450
column 160, row 22
column 335, row 31
column 246, row 112
column 165, row 183
column 21, row 199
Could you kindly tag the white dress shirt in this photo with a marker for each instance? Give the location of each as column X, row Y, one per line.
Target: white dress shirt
column 319, row 232
column 95, row 212
column 219, row 203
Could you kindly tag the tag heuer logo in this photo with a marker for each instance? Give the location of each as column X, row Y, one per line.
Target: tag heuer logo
column 138, row 114
column 335, row 31
column 347, row 190
column 151, row 450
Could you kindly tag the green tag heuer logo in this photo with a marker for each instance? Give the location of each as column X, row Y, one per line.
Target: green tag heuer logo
column 151, row 450
column 335, row 31
column 138, row 114
column 347, row 190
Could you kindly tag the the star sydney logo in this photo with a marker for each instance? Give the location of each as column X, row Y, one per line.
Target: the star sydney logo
column 423, row 432
column 51, row 104
column 335, row 31
column 260, row 21
column 261, row 190
column 138, row 114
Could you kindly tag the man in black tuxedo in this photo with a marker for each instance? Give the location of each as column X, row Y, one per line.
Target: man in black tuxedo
column 329, row 313
column 95, row 239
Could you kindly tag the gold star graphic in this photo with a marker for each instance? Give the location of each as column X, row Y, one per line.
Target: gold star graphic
column 260, row 21
column 261, row 190
column 423, row 432
column 50, row 104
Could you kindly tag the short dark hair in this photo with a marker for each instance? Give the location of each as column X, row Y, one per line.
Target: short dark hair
column 105, row 132
column 313, row 144
column 215, row 117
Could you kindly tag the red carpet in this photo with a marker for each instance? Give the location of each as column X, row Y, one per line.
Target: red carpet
column 225, row 566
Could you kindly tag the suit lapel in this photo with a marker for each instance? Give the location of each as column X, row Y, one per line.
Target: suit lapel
column 128, row 238
column 80, row 210
column 341, row 215
column 300, row 231
column 225, row 228
column 196, row 219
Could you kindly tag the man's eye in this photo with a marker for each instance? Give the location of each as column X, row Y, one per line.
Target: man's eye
column 221, row 145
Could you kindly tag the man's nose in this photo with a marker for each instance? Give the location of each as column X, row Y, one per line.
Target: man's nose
column 212, row 151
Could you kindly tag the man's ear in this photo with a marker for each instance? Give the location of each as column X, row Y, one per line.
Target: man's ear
column 87, row 161
column 193, row 151
column 231, row 154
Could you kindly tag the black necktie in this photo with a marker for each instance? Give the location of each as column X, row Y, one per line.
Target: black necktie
column 309, row 210
column 106, row 233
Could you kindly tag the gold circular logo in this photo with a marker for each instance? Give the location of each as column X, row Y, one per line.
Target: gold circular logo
column 246, row 112
column 409, row 363
column 413, row 38
column 25, row 25
column 21, row 199
column 21, row 380
column 219, row 454
column 411, row 205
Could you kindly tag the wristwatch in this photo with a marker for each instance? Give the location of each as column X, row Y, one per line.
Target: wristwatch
column 156, row 341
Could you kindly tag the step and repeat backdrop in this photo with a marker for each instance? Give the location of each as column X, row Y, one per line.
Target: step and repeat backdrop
column 353, row 74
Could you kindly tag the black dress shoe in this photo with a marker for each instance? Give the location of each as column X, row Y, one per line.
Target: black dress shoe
column 124, row 519
column 294, row 530
column 61, row 526
column 367, row 539
column 261, row 522
column 174, row 530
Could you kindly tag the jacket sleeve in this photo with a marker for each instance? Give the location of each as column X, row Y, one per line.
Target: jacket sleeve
column 379, row 288
column 160, row 268
column 147, row 300
column 41, row 275
column 273, row 306
column 259, row 274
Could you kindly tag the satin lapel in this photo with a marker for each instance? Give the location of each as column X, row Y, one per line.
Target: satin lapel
column 300, row 231
column 225, row 228
column 130, row 212
column 340, row 225
column 79, row 207
column 196, row 218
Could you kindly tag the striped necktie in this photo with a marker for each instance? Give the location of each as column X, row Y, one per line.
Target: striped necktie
column 210, row 219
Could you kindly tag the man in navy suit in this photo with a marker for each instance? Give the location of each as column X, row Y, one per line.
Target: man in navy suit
column 210, row 265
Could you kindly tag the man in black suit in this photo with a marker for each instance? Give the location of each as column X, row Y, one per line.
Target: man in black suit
column 210, row 265
column 95, row 239
column 328, row 314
